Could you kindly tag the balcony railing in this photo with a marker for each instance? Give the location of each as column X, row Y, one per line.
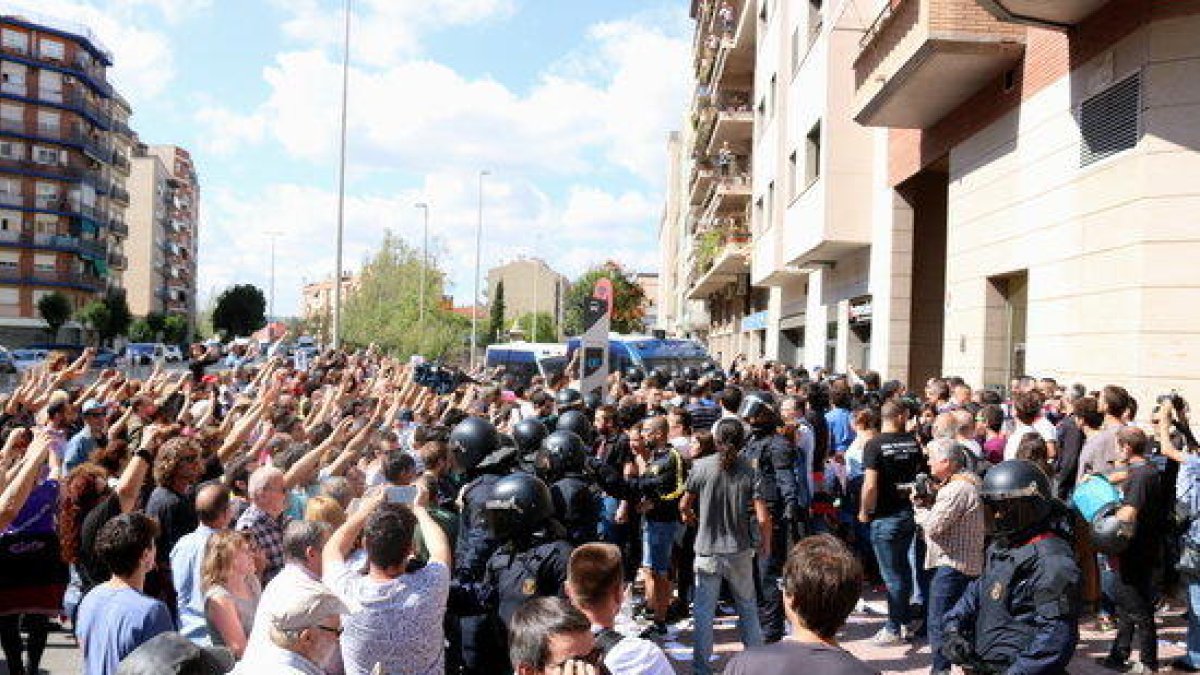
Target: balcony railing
column 117, row 260
column 921, row 59
column 51, row 278
column 118, row 227
column 121, row 163
column 119, row 194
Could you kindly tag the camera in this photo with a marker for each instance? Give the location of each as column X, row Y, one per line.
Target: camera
column 1174, row 399
column 921, row 487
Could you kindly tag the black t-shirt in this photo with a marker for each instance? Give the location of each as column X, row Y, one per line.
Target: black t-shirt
column 176, row 517
column 1144, row 491
column 91, row 569
column 898, row 459
column 788, row 656
column 666, row 477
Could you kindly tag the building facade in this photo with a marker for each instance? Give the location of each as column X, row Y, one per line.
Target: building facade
column 64, row 160
column 985, row 188
column 316, row 304
column 182, row 233
column 530, row 285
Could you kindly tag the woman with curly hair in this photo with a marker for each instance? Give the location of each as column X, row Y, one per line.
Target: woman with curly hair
column 231, row 591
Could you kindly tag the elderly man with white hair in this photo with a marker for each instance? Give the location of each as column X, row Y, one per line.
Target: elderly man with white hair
column 304, row 631
column 265, row 519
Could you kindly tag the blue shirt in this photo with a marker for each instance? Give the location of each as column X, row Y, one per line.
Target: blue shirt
column 841, row 433
column 186, row 560
column 113, row 622
column 79, row 449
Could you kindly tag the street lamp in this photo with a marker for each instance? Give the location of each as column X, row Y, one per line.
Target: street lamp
column 341, row 204
column 424, row 267
column 478, row 254
column 271, row 303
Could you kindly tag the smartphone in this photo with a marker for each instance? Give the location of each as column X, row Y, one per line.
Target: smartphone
column 402, row 494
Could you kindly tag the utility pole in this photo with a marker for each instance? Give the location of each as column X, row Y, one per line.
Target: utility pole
column 424, row 267
column 478, row 258
column 271, row 303
column 341, row 207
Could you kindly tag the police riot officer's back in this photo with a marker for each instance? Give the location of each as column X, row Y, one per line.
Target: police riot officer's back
column 575, row 496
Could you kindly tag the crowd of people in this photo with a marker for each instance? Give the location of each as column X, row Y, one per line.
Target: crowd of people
column 344, row 515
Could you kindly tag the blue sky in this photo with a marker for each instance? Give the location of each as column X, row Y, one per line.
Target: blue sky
column 567, row 102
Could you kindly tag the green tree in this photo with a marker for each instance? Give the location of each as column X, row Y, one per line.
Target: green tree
column 157, row 322
column 55, row 309
column 628, row 302
column 538, row 327
column 107, row 318
column 95, row 316
column 385, row 307
column 240, row 310
column 496, row 327
column 141, row 331
column 174, row 329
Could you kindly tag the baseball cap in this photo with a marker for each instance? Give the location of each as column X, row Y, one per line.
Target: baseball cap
column 92, row 405
column 173, row 653
column 306, row 608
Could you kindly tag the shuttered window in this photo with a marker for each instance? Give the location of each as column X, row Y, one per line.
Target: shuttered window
column 1110, row 122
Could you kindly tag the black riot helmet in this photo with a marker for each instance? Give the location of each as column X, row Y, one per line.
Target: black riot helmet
column 528, row 435
column 563, row 452
column 568, row 399
column 471, row 441
column 578, row 422
column 1016, row 495
column 691, row 374
column 759, row 405
column 517, row 506
column 1111, row 535
column 634, row 375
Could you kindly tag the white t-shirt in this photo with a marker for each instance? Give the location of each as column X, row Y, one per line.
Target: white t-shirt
column 637, row 656
column 1041, row 426
column 398, row 624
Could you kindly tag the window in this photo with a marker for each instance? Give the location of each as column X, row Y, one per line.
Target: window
column 50, row 86
column 9, row 260
column 793, row 176
column 10, row 221
column 45, row 224
column 48, row 122
column 12, row 150
column 812, row 155
column 10, row 186
column 1110, row 122
column 44, row 155
column 53, row 49
column 47, row 196
column 45, row 262
column 12, row 78
column 15, row 40
column 10, row 295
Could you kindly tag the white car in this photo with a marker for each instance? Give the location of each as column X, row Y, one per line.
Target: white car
column 24, row 359
column 172, row 353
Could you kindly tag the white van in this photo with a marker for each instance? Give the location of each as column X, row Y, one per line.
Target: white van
column 525, row 360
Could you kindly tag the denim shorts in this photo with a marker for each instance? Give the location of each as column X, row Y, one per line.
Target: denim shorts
column 657, row 540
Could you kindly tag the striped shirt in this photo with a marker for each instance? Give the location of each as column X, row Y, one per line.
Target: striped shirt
column 955, row 526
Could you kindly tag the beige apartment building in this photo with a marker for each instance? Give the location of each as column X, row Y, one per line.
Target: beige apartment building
column 530, row 285
column 64, row 159
column 978, row 187
column 316, row 303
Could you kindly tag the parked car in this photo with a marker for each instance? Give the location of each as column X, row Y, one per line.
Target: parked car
column 24, row 359
column 144, row 353
column 172, row 353
column 105, row 358
column 6, row 361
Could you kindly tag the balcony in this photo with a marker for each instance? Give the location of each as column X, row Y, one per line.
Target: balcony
column 117, row 260
column 921, row 59
column 721, row 256
column 727, row 196
column 121, row 163
column 82, row 67
column 118, row 227
column 119, row 194
column 41, row 169
column 51, row 242
column 75, row 98
column 42, row 277
column 1056, row 14
column 703, row 175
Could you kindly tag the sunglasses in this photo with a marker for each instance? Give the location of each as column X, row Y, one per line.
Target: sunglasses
column 336, row 631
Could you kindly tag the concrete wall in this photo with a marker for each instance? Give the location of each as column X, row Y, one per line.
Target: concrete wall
column 143, row 278
column 1110, row 249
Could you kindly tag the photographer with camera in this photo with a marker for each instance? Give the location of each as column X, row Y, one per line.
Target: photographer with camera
column 952, row 518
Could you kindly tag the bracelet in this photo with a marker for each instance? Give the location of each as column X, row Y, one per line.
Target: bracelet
column 145, row 455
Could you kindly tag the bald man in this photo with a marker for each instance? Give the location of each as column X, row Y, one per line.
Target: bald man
column 213, row 512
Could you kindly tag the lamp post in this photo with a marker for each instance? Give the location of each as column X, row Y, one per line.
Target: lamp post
column 478, row 255
column 341, row 204
column 271, row 302
column 424, row 267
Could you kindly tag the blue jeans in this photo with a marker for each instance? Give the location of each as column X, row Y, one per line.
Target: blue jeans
column 1193, row 615
column 658, row 538
column 945, row 589
column 738, row 570
column 891, row 537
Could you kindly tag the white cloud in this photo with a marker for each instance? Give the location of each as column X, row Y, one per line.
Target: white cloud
column 519, row 220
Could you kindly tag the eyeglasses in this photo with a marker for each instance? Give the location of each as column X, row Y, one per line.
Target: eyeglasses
column 591, row 658
column 336, row 631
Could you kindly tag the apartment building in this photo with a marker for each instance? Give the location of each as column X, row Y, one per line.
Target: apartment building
column 182, row 235
column 979, row 187
column 64, row 143
column 530, row 285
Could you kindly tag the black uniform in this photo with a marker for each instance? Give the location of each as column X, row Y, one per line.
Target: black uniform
column 1022, row 615
column 577, row 507
column 472, row 550
column 774, row 462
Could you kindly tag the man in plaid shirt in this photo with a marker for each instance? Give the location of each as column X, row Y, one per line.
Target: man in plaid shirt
column 954, row 527
column 264, row 519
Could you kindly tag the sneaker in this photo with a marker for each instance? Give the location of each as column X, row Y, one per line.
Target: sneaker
column 1114, row 664
column 1139, row 667
column 1183, row 665
column 886, row 637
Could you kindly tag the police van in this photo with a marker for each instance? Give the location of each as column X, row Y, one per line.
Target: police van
column 649, row 353
column 525, row 360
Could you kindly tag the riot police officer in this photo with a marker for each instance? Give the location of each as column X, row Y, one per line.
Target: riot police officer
column 568, row 399
column 578, row 423
column 530, row 562
column 475, row 447
column 528, row 435
column 774, row 462
column 1022, row 614
column 575, row 497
